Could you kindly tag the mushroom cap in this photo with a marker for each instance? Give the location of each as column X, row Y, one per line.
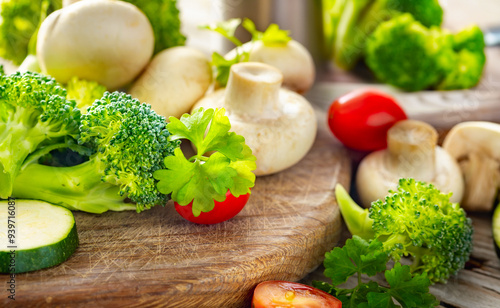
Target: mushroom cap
column 375, row 178
column 293, row 60
column 101, row 40
column 474, row 136
column 476, row 146
column 174, row 81
column 279, row 125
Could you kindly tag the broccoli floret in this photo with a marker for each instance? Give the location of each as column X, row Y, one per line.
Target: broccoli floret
column 467, row 63
column 35, row 117
column 19, row 22
column 417, row 220
column 84, row 92
column 404, row 53
column 164, row 18
column 470, row 38
column 129, row 142
column 359, row 18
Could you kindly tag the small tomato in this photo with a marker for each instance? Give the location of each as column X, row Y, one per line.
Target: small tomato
column 222, row 211
column 361, row 119
column 269, row 294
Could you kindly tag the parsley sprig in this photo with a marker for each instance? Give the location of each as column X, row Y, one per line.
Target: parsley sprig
column 369, row 258
column 273, row 37
column 222, row 161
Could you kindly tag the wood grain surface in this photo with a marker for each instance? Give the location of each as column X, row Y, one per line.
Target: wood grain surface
column 156, row 258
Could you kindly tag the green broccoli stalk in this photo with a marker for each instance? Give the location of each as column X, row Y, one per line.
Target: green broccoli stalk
column 19, row 24
column 417, row 220
column 129, row 143
column 359, row 18
column 404, row 53
column 35, row 117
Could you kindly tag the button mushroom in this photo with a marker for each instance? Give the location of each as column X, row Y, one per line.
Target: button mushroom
column 291, row 58
column 476, row 147
column 278, row 125
column 411, row 152
column 174, row 81
column 100, row 40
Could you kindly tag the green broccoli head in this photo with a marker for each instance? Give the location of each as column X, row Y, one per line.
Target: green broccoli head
column 420, row 221
column 467, row 61
column 348, row 23
column 127, row 142
column 470, row 38
column 403, row 53
column 130, row 141
column 428, row 12
column 34, row 109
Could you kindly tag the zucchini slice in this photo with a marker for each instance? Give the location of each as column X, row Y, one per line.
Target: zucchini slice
column 35, row 235
column 496, row 229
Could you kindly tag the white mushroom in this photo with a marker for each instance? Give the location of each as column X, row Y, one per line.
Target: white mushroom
column 278, row 125
column 292, row 59
column 411, row 153
column 476, row 146
column 174, row 81
column 101, row 40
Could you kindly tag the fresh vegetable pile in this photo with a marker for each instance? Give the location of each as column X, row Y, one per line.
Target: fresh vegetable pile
column 402, row 43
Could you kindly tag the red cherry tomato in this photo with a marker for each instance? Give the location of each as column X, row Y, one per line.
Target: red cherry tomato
column 361, row 119
column 271, row 294
column 222, row 211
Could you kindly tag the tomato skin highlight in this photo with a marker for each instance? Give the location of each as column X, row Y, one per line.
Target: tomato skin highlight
column 222, row 211
column 361, row 119
column 272, row 294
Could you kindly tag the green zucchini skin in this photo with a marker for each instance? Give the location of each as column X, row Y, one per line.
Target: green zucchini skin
column 36, row 256
column 42, row 257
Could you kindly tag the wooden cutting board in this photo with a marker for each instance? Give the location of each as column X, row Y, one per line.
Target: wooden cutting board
column 156, row 258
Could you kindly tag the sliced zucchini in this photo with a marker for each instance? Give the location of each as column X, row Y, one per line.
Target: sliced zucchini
column 496, row 229
column 44, row 235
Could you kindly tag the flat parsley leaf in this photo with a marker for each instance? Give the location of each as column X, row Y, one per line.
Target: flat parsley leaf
column 361, row 257
column 410, row 291
column 204, row 178
column 357, row 256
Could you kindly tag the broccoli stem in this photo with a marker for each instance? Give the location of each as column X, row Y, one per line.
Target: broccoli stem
column 347, row 50
column 355, row 217
column 76, row 188
column 17, row 141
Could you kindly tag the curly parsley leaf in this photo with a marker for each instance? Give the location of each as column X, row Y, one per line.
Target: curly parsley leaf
column 226, row 29
column 361, row 257
column 273, row 36
column 204, row 178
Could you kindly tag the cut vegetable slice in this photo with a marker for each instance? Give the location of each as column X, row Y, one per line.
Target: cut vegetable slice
column 496, row 229
column 35, row 235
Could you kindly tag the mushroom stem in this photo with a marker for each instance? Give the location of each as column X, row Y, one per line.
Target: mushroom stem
column 253, row 90
column 411, row 146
